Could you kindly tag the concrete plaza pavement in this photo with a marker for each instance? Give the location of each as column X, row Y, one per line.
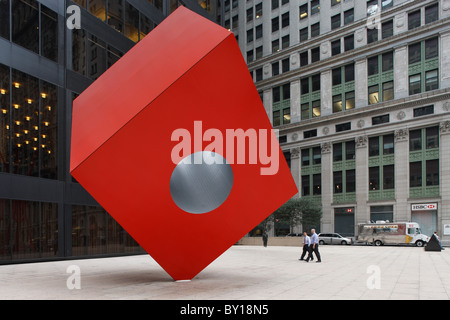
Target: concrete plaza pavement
column 244, row 273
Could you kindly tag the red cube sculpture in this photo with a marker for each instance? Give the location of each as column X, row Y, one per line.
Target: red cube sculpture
column 188, row 74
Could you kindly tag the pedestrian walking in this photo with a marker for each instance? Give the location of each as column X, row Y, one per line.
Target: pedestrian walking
column 265, row 238
column 314, row 246
column 306, row 247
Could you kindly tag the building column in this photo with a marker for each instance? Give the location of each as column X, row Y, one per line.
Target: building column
column 401, row 76
column 444, row 156
column 295, row 101
column 444, row 58
column 295, row 168
column 362, row 212
column 327, row 188
column 361, row 87
column 326, row 99
column 401, row 179
column 267, row 101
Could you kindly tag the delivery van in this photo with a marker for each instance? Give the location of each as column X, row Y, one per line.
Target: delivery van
column 384, row 232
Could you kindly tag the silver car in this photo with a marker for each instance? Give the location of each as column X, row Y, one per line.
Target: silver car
column 333, row 238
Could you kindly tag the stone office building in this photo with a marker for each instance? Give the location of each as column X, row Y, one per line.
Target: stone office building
column 360, row 91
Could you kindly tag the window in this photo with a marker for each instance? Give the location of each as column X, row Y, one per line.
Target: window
column 415, row 84
column 337, row 152
column 259, row 31
column 285, row 65
column 305, row 157
column 350, row 153
column 259, row 52
column 306, row 185
column 374, row 146
column 374, row 178
column 304, row 34
column 431, row 48
column 258, row 11
column 335, row 2
column 259, row 74
column 317, row 155
column 431, row 80
column 249, row 35
column 343, row 127
column 33, row 29
column 285, row 20
column 304, row 58
column 388, row 91
column 349, row 16
column 281, row 110
column 415, row 140
column 336, row 47
column 415, row 174
column 423, row 111
column 275, row 4
column 310, row 134
column 349, row 72
column 432, row 13
column 4, row 26
column 386, row 4
column 315, row 30
column 349, row 43
column 275, row 24
column 337, row 76
column 374, row 94
column 432, row 137
column 372, row 35
column 387, row 61
column 304, row 85
column 337, row 179
column 350, row 180
column 250, row 14
column 276, row 118
column 350, row 100
column 372, row 7
column 275, row 69
column 432, row 172
column 335, row 21
column 315, row 54
column 337, row 103
column 413, row 20
column 317, row 182
column 315, row 6
column 285, row 42
column 388, row 144
column 380, row 120
column 304, row 11
column 315, row 82
column 388, row 177
column 275, row 45
column 372, row 66
column 387, row 29
column 414, row 53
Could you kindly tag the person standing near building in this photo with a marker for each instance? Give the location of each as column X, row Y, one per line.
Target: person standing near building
column 314, row 246
column 265, row 238
column 306, row 246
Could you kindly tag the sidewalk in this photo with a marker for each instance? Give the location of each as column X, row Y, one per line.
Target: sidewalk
column 247, row 273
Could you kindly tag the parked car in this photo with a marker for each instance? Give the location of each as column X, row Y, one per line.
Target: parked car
column 294, row 235
column 333, row 238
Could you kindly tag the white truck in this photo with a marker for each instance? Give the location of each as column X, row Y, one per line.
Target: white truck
column 385, row 232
